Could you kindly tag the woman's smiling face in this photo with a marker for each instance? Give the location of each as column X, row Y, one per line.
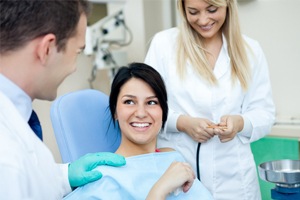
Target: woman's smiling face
column 139, row 113
column 205, row 18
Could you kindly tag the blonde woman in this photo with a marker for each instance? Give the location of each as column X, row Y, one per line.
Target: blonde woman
column 219, row 93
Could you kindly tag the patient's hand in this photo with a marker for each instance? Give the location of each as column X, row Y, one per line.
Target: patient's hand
column 178, row 175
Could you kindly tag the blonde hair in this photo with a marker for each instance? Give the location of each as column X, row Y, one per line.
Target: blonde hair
column 190, row 46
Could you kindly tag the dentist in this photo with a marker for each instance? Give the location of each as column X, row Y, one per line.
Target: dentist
column 39, row 44
column 220, row 95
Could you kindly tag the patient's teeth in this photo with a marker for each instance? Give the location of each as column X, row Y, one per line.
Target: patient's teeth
column 140, row 125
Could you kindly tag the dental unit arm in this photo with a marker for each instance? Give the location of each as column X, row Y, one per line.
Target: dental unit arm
column 101, row 36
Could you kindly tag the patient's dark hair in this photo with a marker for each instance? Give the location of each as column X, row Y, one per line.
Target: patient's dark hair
column 148, row 75
column 24, row 20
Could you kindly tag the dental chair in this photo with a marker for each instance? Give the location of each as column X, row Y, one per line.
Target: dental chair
column 82, row 124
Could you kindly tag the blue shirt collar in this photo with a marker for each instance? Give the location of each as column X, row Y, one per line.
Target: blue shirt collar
column 18, row 97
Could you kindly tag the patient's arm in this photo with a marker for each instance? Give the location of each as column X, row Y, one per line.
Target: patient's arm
column 179, row 174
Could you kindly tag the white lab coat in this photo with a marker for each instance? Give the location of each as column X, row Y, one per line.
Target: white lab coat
column 226, row 169
column 27, row 167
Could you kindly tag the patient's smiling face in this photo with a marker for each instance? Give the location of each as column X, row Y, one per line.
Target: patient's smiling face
column 139, row 115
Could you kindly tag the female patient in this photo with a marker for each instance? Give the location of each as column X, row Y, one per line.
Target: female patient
column 138, row 103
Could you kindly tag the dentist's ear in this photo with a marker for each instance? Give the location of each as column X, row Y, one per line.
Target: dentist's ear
column 46, row 46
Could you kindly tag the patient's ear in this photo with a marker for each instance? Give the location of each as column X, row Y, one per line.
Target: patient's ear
column 46, row 46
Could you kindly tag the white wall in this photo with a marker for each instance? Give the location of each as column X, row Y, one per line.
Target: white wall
column 144, row 18
column 275, row 24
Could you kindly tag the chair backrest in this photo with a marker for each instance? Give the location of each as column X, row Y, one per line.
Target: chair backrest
column 82, row 124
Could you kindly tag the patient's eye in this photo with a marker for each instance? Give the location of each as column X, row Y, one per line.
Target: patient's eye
column 152, row 102
column 129, row 101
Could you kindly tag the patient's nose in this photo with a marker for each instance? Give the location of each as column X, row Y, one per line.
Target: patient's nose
column 140, row 111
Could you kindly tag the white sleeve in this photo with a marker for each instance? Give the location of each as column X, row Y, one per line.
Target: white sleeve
column 258, row 108
column 65, row 178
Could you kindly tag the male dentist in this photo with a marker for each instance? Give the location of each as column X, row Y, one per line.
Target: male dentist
column 39, row 44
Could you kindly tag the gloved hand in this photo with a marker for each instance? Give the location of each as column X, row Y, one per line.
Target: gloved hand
column 80, row 171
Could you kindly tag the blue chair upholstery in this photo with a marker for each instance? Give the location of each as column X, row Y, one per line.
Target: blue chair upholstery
column 82, row 124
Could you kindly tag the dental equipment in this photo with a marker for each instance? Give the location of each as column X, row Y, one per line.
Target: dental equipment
column 99, row 44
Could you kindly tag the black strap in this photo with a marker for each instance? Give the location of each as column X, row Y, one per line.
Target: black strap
column 197, row 161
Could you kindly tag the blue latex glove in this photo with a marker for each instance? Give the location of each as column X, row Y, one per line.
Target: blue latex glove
column 80, row 171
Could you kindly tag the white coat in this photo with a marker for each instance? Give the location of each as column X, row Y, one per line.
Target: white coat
column 27, row 167
column 227, row 169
